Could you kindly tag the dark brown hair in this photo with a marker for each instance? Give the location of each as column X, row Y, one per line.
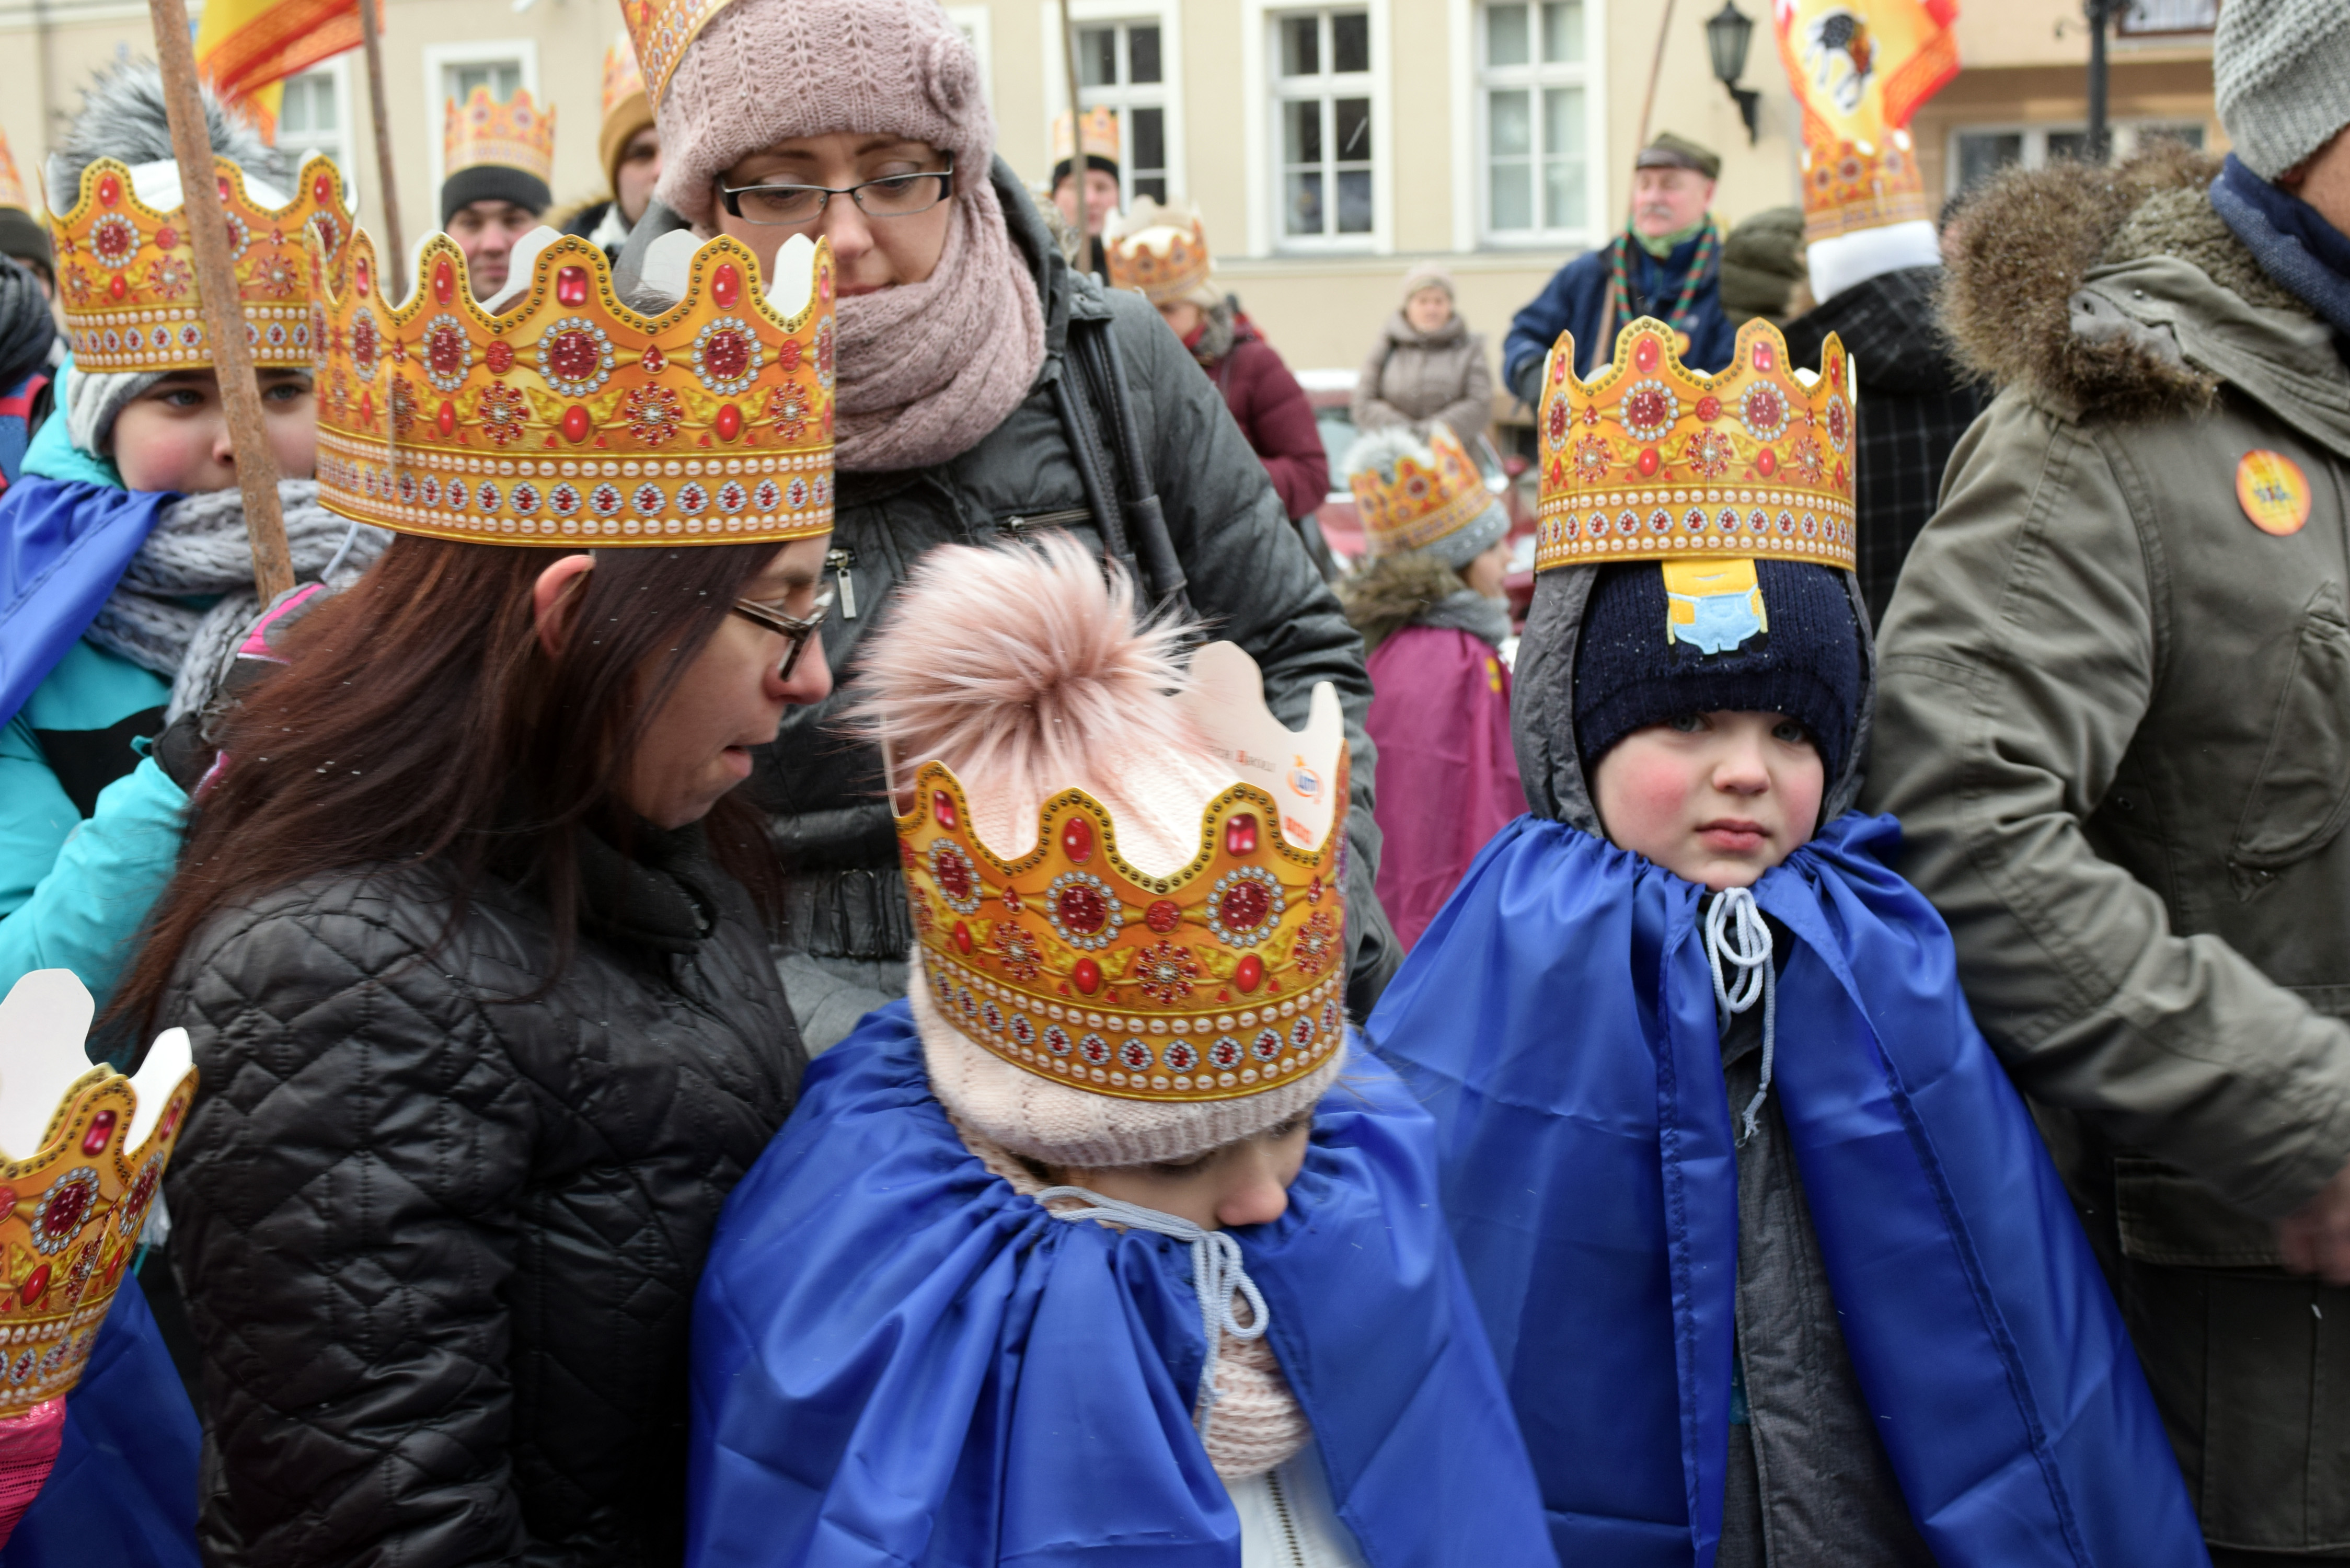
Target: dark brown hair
column 418, row 718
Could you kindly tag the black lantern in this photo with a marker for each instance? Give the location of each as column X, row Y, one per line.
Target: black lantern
column 1728, row 33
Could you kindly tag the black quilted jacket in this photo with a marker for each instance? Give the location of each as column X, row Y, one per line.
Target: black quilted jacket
column 441, row 1246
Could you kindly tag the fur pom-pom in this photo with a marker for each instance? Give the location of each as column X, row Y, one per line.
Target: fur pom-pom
column 1023, row 666
column 1382, row 450
column 123, row 117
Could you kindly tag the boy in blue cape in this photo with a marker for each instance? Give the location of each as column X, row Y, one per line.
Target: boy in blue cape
column 1773, row 1261
column 126, row 577
column 1101, row 1241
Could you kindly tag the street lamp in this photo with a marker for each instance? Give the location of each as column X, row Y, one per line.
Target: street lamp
column 1727, row 35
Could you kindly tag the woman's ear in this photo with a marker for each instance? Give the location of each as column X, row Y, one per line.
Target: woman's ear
column 552, row 597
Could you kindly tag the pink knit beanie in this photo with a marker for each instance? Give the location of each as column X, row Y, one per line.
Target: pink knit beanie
column 763, row 71
column 1026, row 671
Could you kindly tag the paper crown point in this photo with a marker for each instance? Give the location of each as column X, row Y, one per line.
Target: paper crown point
column 1095, row 134
column 623, row 78
column 126, row 271
column 1860, row 69
column 1425, row 501
column 12, row 184
column 1650, row 460
column 1159, row 251
column 565, row 418
column 1222, row 980
column 514, row 134
column 78, row 1178
column 660, row 30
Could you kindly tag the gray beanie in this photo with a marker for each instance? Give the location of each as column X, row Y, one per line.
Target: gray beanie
column 2280, row 72
column 95, row 398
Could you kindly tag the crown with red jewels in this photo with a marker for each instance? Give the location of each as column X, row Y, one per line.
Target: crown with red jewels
column 622, row 75
column 1224, row 979
column 126, row 271
column 1648, row 461
column 72, row 1206
column 1161, row 251
column 660, row 30
column 569, row 419
column 1095, row 132
column 1425, row 502
column 515, row 134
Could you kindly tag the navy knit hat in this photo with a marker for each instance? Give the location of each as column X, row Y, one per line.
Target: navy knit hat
column 1629, row 673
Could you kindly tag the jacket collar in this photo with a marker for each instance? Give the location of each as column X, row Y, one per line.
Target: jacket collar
column 656, row 896
column 2291, row 239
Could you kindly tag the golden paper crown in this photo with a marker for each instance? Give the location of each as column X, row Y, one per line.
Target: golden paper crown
column 1225, row 979
column 12, row 184
column 622, row 76
column 660, row 30
column 570, row 419
column 1426, row 502
column 515, row 134
column 1650, row 462
column 71, row 1210
column 1860, row 69
column 127, row 273
column 1162, row 251
column 1098, row 129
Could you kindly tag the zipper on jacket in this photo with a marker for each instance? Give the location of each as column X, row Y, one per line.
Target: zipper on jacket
column 1021, row 527
column 838, row 562
column 1281, row 1512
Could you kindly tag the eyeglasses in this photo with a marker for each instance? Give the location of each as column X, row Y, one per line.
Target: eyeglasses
column 798, row 632
column 792, row 206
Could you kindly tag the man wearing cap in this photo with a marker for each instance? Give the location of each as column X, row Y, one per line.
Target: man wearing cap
column 1666, row 264
column 2115, row 723
column 498, row 156
column 628, row 145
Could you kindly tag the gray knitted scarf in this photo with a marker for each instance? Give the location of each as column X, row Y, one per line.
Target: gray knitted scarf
column 183, row 606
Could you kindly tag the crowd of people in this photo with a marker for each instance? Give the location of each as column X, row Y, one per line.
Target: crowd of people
column 826, row 929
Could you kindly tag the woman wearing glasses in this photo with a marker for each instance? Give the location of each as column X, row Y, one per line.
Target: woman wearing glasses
column 986, row 391
column 471, row 938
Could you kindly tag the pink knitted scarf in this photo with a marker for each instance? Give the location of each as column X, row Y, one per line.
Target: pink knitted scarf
column 928, row 369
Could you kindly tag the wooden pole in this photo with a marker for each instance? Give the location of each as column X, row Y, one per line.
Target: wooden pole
column 257, row 467
column 1076, row 133
column 393, row 258
column 1656, row 70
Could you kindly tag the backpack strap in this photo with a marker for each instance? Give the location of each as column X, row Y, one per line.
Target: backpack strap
column 1140, row 526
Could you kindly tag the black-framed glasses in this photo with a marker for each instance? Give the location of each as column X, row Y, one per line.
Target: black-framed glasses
column 798, row 632
column 793, row 206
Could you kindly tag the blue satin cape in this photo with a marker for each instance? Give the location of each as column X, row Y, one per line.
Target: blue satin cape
column 123, row 1490
column 64, row 546
column 1558, row 1019
column 899, row 1360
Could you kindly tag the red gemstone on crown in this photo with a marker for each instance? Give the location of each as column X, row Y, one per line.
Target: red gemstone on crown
column 730, row 422
column 1244, row 906
column 109, row 191
column 1765, row 357
column 221, row 181
column 1240, row 835
column 322, row 190
column 367, row 409
column 1766, row 462
column 727, row 286
column 728, row 356
column 444, row 280
column 574, row 355
column 1087, row 975
column 445, row 422
column 1709, row 408
column 571, row 287
column 117, row 288
column 575, row 424
column 101, row 1127
column 1645, row 354
column 961, row 937
column 1078, row 840
column 167, row 238
column 1250, row 974
column 1648, row 462
column 1082, row 908
column 942, row 807
column 36, row 1286
column 1162, row 917
column 653, row 359
column 498, row 356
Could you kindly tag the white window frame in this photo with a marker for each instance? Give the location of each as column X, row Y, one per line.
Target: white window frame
column 438, row 60
column 1473, row 129
column 2036, row 134
column 1260, row 83
column 1167, row 93
column 347, row 155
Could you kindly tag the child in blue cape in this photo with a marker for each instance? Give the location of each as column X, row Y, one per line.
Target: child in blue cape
column 1100, row 1246
column 1774, row 1263
column 126, row 584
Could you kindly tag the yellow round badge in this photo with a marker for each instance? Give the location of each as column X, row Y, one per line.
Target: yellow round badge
column 2273, row 491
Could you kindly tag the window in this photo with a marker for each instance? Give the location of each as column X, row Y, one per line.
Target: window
column 2143, row 18
column 1534, row 105
column 1121, row 65
column 1323, row 92
column 315, row 116
column 1980, row 152
column 501, row 77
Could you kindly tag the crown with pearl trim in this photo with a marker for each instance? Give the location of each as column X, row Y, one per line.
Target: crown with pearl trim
column 126, row 271
column 72, row 1206
column 1225, row 979
column 1425, row 502
column 568, row 419
column 1161, row 251
column 1648, row 461
column 660, row 30
column 514, row 133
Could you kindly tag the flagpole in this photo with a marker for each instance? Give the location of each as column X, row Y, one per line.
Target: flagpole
column 393, row 258
column 207, row 221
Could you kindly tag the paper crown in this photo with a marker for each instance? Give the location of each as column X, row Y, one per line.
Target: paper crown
column 12, row 184
column 622, row 76
column 661, row 29
column 1425, row 502
column 1650, row 460
column 1860, row 69
column 72, row 1205
column 568, row 418
column 515, row 134
column 1097, row 127
column 1224, row 980
column 126, row 271
column 1162, row 251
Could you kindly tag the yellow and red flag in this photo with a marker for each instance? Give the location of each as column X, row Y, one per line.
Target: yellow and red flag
column 246, row 49
column 1861, row 68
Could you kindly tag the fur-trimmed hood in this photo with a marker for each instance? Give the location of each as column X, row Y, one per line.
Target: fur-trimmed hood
column 1412, row 588
column 2117, row 293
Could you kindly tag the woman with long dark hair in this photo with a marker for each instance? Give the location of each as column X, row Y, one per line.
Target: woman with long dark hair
column 471, row 937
